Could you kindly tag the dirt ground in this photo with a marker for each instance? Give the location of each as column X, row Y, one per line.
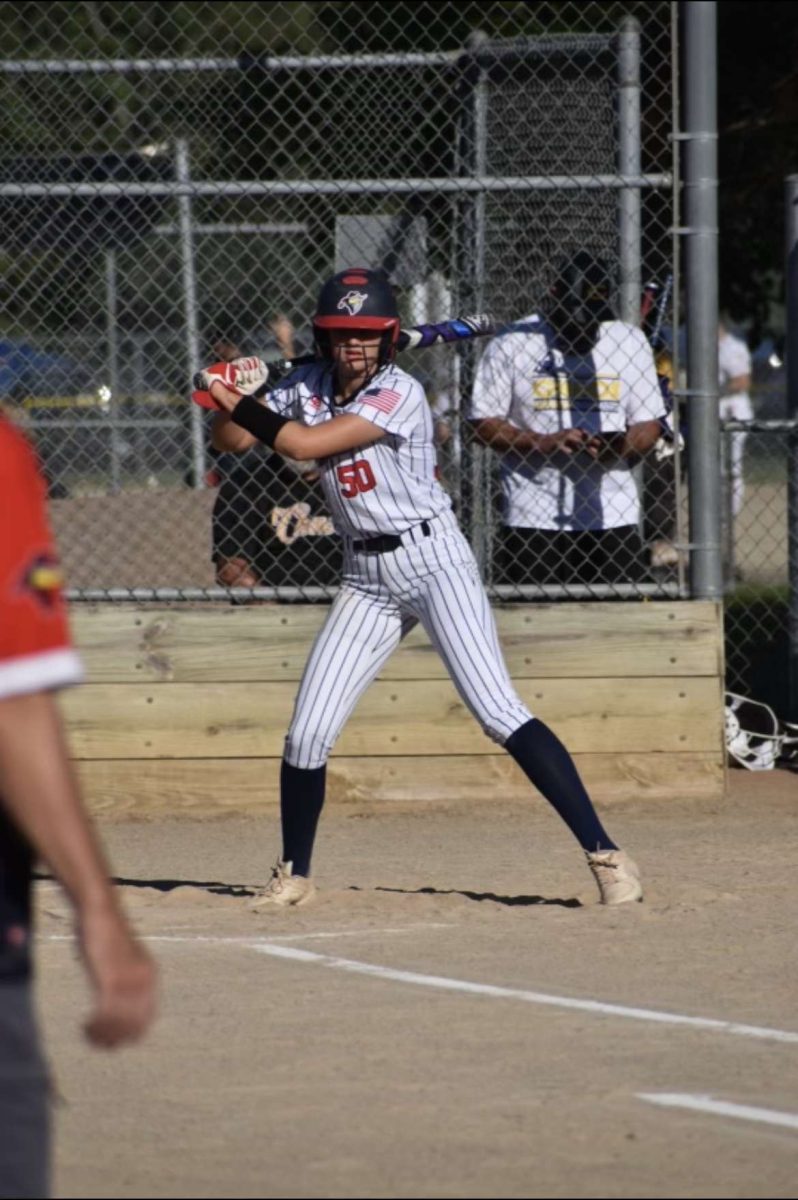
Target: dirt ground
column 410, row 1035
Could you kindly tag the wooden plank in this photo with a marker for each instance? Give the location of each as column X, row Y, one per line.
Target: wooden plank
column 397, row 717
column 227, row 644
column 207, row 788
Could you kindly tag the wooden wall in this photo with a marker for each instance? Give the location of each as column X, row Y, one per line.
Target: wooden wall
column 185, row 710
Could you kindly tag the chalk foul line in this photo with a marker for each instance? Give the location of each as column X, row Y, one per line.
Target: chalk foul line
column 444, row 983
column 721, row 1108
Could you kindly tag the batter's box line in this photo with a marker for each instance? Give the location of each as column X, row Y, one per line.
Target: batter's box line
column 255, row 940
column 702, row 1103
column 443, row 983
column 598, row 1007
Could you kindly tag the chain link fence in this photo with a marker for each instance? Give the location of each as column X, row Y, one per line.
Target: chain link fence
column 758, row 456
column 178, row 180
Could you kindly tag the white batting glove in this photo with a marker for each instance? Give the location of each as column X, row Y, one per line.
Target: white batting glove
column 250, row 373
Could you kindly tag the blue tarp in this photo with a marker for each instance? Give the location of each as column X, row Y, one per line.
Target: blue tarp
column 27, row 371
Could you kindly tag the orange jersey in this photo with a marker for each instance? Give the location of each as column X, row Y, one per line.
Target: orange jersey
column 35, row 648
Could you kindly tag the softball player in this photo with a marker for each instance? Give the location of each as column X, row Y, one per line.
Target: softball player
column 406, row 561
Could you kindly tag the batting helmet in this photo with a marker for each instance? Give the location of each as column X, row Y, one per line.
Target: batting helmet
column 581, row 291
column 357, row 298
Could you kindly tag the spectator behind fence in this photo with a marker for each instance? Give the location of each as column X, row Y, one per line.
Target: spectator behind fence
column 659, row 475
column 570, row 399
column 734, row 382
column 268, row 524
column 41, row 815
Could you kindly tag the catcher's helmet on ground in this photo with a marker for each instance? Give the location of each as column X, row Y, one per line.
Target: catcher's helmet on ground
column 753, row 735
column 357, row 298
column 581, row 291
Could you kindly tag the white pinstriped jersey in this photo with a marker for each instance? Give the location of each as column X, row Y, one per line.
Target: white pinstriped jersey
column 387, row 487
column 431, row 578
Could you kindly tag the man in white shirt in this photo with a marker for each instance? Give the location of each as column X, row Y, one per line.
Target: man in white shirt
column 734, row 381
column 571, row 401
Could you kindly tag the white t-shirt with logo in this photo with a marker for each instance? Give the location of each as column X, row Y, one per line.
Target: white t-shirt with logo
column 734, row 359
column 386, row 487
column 525, row 379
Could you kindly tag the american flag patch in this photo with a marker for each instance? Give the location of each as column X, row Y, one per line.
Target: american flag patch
column 385, row 399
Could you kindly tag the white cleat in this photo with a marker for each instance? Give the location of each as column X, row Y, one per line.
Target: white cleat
column 618, row 878
column 284, row 890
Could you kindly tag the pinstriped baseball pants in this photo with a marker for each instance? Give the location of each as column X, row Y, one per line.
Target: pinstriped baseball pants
column 433, row 581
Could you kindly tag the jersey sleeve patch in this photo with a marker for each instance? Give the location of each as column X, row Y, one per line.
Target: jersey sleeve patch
column 44, row 580
column 32, row 611
column 384, row 399
column 391, row 404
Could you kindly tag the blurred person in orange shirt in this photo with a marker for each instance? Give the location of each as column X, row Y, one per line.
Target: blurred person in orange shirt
column 41, row 815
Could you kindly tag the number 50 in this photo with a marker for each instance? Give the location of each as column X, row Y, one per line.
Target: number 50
column 356, row 477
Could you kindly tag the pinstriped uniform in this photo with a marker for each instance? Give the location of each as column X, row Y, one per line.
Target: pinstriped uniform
column 431, row 578
column 401, row 465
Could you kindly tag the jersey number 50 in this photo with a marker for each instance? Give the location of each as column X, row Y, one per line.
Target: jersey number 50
column 356, row 477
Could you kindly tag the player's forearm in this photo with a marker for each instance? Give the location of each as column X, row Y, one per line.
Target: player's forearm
column 306, row 443
column 303, row 443
column 230, row 438
column 39, row 791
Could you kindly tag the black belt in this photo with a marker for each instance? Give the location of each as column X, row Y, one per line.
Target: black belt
column 386, row 541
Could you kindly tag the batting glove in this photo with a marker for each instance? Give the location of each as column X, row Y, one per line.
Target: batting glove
column 250, row 373
column 243, row 375
column 219, row 373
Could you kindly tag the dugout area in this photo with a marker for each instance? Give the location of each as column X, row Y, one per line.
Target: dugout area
column 185, row 709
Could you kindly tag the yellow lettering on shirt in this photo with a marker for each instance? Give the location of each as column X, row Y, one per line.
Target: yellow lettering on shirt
column 549, row 393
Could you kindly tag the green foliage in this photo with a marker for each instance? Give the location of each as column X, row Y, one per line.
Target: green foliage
column 758, row 122
column 246, row 124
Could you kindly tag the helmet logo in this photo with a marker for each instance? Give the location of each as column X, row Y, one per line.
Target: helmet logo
column 352, row 302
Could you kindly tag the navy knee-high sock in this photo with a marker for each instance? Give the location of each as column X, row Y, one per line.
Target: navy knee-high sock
column 547, row 764
column 301, row 802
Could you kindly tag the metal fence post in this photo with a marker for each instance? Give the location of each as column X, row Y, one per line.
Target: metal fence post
column 482, row 459
column 470, row 269
column 183, row 174
column 629, row 163
column 701, row 213
column 791, row 280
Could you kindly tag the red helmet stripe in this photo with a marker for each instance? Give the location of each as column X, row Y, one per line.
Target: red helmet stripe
column 344, row 322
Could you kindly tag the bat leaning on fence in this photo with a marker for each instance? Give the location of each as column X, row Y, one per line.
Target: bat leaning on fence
column 656, row 300
column 418, row 337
